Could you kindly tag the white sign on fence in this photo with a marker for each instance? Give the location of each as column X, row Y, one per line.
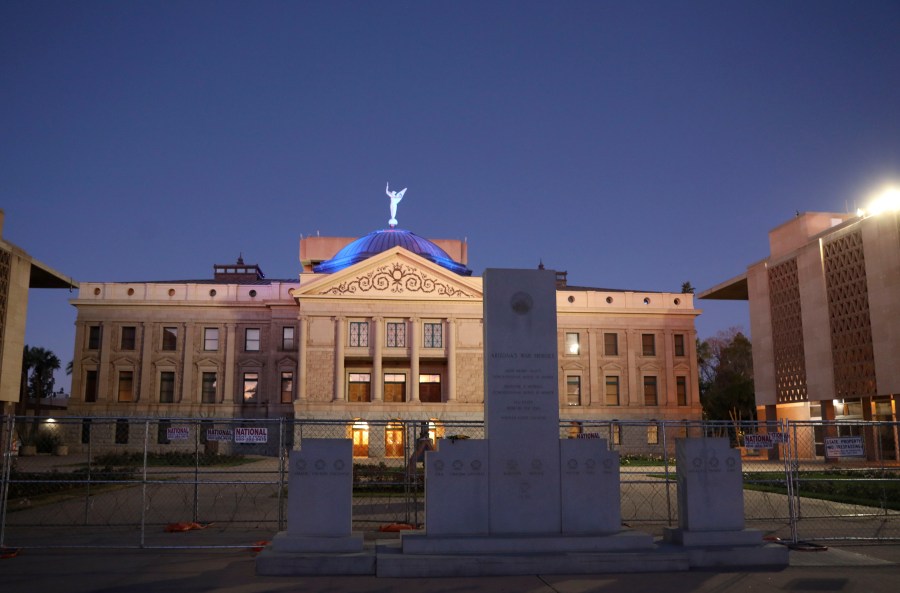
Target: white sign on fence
column 219, row 434
column 844, row 447
column 251, row 435
column 757, row 441
column 178, row 433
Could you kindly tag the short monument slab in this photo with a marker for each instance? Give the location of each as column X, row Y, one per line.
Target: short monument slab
column 591, row 496
column 456, row 483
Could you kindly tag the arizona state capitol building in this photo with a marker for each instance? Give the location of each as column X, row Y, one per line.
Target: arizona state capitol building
column 387, row 326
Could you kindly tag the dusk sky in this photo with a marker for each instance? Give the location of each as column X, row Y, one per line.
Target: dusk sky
column 635, row 144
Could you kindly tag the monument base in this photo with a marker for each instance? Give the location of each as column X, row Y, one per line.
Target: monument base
column 297, row 556
column 422, row 543
column 743, row 548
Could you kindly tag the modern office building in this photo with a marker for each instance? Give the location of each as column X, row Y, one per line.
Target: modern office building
column 825, row 319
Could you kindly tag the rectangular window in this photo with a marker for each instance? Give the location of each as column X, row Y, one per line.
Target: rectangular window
column 359, row 334
column 573, row 390
column 162, row 432
column 251, row 388
column 434, row 337
column 611, row 344
column 396, row 335
column 210, row 339
column 85, row 431
column 126, row 386
column 360, row 436
column 616, row 434
column 94, row 337
column 648, row 344
column 208, row 388
column 681, row 390
column 359, row 389
column 251, row 339
column 393, row 440
column 653, row 434
column 394, row 387
column 650, row 391
column 612, row 391
column 287, row 338
column 679, row 344
column 287, row 387
column 122, row 431
column 430, row 389
column 167, row 387
column 572, row 345
column 90, row 386
column 170, row 338
column 128, row 335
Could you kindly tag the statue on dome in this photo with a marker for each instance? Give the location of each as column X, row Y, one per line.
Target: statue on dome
column 395, row 197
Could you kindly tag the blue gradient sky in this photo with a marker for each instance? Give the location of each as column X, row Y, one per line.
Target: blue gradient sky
column 635, row 144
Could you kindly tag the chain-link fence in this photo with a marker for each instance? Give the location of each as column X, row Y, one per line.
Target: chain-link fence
column 139, row 482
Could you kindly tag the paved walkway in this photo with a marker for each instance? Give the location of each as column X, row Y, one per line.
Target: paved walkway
column 859, row 568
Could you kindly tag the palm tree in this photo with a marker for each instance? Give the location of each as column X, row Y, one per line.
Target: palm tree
column 42, row 363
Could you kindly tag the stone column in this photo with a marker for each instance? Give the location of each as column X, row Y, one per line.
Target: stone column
column 634, row 389
column 143, row 376
column 301, row 358
column 187, row 366
column 106, row 372
column 230, row 347
column 339, row 325
column 377, row 349
column 414, row 330
column 450, row 346
column 667, row 396
column 592, row 385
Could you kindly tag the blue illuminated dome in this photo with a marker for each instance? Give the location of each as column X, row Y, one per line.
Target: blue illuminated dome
column 383, row 240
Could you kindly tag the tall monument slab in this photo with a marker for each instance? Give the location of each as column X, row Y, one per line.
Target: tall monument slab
column 521, row 401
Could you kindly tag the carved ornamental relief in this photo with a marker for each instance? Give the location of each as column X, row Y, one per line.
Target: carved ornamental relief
column 397, row 278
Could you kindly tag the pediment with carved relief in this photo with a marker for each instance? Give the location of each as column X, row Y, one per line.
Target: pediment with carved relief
column 395, row 274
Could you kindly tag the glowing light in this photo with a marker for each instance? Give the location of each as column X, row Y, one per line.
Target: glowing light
column 887, row 201
column 51, row 420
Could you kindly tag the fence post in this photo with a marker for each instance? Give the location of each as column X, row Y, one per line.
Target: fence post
column 196, row 512
column 144, row 482
column 668, row 482
column 6, row 447
column 281, row 464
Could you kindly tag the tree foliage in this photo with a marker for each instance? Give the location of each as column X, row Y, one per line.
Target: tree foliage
column 725, row 363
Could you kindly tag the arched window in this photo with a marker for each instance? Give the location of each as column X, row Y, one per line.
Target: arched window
column 360, row 435
column 393, row 440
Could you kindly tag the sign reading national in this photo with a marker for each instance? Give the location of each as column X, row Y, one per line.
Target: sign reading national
column 251, row 435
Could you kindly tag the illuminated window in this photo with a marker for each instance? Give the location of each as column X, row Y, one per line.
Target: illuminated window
column 653, row 434
column 128, row 337
column 287, row 338
column 612, row 391
column 396, row 335
column 126, row 386
column 208, row 388
column 434, row 335
column 359, row 334
column 394, row 387
column 430, row 388
column 681, row 390
column 251, row 388
column 211, row 338
column 611, row 344
column 360, row 436
column 572, row 345
column 251, row 339
column 679, row 344
column 650, row 398
column 648, row 344
column 166, row 387
column 287, row 387
column 393, row 440
column 170, row 338
column 573, row 390
column 616, row 434
column 360, row 387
